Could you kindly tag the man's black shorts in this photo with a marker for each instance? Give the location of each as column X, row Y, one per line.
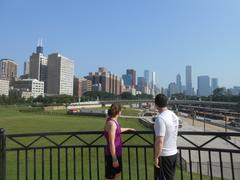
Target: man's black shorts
column 110, row 171
column 167, row 168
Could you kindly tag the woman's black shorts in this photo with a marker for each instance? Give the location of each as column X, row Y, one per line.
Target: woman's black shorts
column 110, row 171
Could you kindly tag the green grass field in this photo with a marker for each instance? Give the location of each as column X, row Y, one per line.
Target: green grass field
column 14, row 121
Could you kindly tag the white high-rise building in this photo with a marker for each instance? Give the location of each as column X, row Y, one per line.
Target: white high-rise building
column 4, row 87
column 60, row 75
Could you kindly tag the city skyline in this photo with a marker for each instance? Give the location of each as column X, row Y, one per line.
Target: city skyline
column 41, row 56
column 163, row 37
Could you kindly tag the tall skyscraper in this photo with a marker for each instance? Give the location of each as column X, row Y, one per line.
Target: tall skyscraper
column 127, row 80
column 189, row 90
column 140, row 84
column 38, row 66
column 203, row 86
column 153, row 83
column 26, row 67
column 60, row 75
column 153, row 79
column 39, row 49
column 132, row 73
column 179, row 83
column 147, row 76
column 214, row 84
column 8, row 70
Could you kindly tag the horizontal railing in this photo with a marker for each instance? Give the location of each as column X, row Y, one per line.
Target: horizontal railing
column 80, row 155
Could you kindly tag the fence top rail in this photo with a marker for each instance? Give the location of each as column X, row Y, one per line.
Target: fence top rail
column 136, row 132
column 72, row 133
column 202, row 133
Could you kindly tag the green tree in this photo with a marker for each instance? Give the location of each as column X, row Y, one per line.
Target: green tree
column 127, row 95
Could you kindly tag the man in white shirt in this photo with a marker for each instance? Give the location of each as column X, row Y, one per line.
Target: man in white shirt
column 166, row 129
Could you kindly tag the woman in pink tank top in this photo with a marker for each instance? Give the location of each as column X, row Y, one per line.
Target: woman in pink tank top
column 113, row 149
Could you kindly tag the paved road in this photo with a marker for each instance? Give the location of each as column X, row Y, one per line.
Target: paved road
column 217, row 143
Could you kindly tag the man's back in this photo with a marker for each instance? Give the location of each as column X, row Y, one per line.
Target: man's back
column 166, row 125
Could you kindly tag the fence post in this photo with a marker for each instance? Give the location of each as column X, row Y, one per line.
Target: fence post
column 155, row 173
column 2, row 155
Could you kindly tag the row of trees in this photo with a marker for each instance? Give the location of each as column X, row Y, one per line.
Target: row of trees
column 92, row 95
column 15, row 98
column 219, row 94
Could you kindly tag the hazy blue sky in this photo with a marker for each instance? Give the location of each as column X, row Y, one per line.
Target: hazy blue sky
column 159, row 35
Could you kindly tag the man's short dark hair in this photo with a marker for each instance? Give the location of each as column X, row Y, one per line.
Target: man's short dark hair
column 161, row 100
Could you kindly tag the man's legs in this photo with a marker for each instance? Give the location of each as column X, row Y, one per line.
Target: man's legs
column 159, row 173
column 169, row 166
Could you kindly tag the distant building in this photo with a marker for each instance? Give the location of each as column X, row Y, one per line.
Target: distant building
column 153, row 83
column 189, row 88
column 235, row 91
column 8, row 70
column 39, row 49
column 203, row 86
column 30, row 87
column 105, row 81
column 60, row 75
column 4, row 87
column 147, row 76
column 147, row 90
column 81, row 86
column 26, row 67
column 38, row 68
column 214, row 84
column 140, row 84
column 165, row 91
column 179, row 83
column 127, row 79
column 153, row 79
column 97, row 87
column 132, row 73
column 183, row 89
column 172, row 89
column 133, row 91
column 24, row 76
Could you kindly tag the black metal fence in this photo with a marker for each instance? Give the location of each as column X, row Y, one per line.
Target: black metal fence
column 80, row 155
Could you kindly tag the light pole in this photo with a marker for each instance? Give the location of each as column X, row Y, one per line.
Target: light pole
column 204, row 122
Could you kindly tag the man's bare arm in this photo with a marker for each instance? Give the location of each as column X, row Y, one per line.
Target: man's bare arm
column 158, row 149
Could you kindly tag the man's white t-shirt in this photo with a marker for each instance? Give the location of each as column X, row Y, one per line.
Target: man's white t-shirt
column 166, row 124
